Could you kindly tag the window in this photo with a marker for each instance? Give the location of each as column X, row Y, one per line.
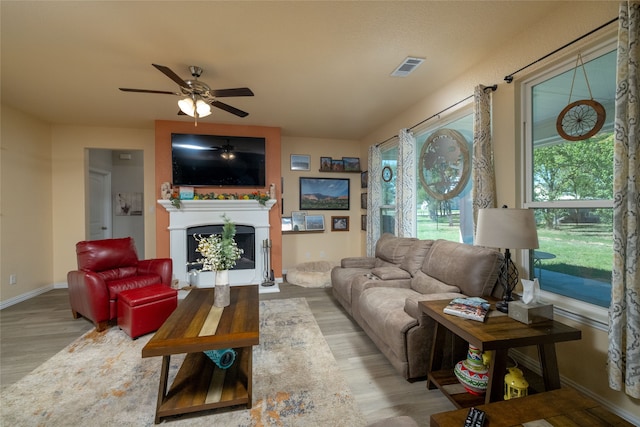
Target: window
column 444, row 209
column 569, row 184
column 389, row 154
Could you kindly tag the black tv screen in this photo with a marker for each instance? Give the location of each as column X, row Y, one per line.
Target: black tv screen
column 218, row 161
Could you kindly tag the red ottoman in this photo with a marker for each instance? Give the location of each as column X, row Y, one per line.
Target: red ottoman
column 144, row 310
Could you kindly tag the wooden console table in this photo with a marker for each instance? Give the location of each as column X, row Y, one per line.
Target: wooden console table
column 498, row 333
column 195, row 326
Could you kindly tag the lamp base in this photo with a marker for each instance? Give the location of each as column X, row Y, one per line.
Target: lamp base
column 502, row 306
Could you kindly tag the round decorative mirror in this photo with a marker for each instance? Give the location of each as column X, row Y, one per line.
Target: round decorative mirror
column 444, row 164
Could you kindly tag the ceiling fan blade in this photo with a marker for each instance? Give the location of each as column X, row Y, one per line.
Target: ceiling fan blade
column 239, row 91
column 165, row 92
column 229, row 109
column 173, row 76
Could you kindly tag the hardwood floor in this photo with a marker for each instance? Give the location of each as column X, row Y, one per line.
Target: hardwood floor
column 34, row 330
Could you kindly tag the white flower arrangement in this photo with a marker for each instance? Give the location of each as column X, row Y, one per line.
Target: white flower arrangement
column 220, row 252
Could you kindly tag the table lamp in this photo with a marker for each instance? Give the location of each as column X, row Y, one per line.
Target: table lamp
column 509, row 229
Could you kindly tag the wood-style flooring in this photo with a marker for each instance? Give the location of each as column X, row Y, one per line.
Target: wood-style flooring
column 34, row 330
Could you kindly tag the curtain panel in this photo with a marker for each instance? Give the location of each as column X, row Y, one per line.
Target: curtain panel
column 624, row 312
column 483, row 190
column 373, row 198
column 406, row 185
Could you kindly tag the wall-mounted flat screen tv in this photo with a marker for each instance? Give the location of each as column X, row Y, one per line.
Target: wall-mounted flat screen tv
column 218, row 161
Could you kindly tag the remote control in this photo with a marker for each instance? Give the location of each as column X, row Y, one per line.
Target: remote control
column 475, row 418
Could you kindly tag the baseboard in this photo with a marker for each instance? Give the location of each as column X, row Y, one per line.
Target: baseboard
column 533, row 365
column 20, row 298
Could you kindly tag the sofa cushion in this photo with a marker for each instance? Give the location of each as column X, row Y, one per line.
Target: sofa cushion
column 414, row 258
column 390, row 273
column 391, row 249
column 383, row 311
column 428, row 285
column 473, row 269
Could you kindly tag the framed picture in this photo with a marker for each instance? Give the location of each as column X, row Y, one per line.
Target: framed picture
column 364, row 179
column 363, row 222
column 314, row 222
column 351, row 164
column 339, row 223
column 325, row 163
column 297, row 220
column 363, row 201
column 128, row 204
column 300, row 162
column 337, row 165
column 286, row 223
column 324, row 194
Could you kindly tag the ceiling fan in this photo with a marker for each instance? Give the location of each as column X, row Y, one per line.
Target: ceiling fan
column 196, row 95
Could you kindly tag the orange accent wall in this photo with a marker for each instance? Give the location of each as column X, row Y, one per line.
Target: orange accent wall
column 165, row 128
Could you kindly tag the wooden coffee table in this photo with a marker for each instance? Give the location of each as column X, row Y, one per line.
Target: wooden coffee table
column 195, row 326
column 499, row 333
column 563, row 407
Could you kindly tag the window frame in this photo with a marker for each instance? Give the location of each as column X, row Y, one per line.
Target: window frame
column 580, row 311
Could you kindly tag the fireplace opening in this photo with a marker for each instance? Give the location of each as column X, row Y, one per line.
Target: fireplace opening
column 245, row 239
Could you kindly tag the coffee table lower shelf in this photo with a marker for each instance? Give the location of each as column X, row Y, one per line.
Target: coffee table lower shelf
column 200, row 385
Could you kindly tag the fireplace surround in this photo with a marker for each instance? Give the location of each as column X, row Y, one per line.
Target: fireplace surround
column 195, row 213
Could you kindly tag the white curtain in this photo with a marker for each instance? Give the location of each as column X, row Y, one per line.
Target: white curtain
column 482, row 167
column 406, row 185
column 624, row 312
column 374, row 193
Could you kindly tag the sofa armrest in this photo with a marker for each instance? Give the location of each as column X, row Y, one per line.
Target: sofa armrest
column 162, row 267
column 412, row 306
column 88, row 295
column 358, row 262
column 390, row 273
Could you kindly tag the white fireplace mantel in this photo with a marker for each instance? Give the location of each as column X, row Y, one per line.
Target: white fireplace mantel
column 193, row 213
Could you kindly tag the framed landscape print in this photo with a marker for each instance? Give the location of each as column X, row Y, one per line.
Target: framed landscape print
column 325, row 164
column 364, row 179
column 314, row 222
column 351, row 164
column 300, row 162
column 324, row 194
column 339, row 223
column 337, row 165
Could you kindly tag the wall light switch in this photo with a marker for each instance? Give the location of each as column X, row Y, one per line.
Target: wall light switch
column 13, row 279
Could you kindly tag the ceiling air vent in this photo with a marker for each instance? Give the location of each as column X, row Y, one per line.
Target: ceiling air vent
column 407, row 66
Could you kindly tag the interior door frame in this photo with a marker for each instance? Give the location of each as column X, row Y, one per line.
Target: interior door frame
column 106, row 203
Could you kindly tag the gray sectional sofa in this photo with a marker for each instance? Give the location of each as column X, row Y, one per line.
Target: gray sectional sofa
column 382, row 292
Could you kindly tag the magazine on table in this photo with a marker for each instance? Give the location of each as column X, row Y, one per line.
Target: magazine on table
column 474, row 308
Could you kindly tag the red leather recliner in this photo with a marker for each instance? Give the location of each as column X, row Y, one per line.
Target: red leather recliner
column 105, row 268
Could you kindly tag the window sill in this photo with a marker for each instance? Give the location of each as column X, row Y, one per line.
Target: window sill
column 587, row 314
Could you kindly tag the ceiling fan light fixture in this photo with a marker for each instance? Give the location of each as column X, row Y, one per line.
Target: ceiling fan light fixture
column 203, row 108
column 186, row 105
column 189, row 107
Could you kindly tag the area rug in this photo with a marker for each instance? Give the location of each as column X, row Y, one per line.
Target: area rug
column 102, row 380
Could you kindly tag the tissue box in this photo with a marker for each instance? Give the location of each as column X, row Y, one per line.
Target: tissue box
column 530, row 313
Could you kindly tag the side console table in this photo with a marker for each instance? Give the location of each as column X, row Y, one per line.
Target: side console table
column 499, row 333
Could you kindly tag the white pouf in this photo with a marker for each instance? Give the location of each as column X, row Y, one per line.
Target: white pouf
column 314, row 274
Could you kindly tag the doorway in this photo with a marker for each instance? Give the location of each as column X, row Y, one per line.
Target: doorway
column 116, row 176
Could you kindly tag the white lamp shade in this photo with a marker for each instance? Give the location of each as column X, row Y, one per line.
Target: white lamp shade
column 203, row 108
column 506, row 228
column 188, row 107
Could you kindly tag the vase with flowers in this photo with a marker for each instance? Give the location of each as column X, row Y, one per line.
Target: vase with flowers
column 219, row 254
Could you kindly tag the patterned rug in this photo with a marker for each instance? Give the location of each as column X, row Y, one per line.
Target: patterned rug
column 101, row 380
